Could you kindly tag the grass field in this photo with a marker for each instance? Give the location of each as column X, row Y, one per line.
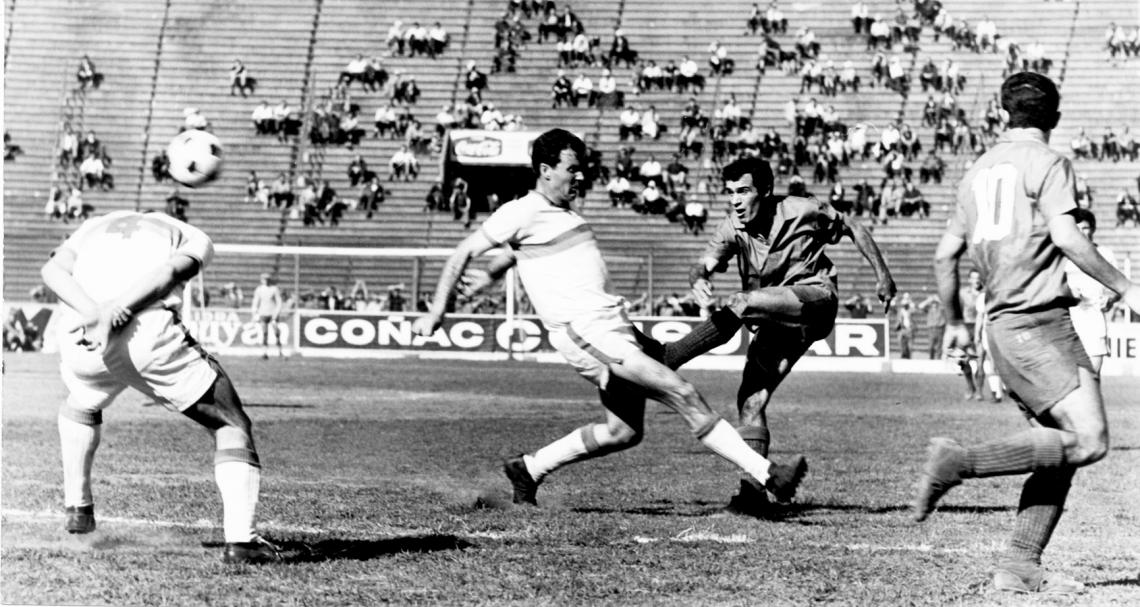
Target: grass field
column 373, row 470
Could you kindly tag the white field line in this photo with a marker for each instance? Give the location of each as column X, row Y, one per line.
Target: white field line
column 688, row 535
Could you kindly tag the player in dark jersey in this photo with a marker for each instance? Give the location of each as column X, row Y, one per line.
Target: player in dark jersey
column 1015, row 215
column 788, row 297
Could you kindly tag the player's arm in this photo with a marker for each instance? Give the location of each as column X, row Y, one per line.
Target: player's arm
column 474, row 245
column 276, row 303
column 56, row 274
column 720, row 249
column 1081, row 251
column 473, row 282
column 865, row 243
column 946, row 257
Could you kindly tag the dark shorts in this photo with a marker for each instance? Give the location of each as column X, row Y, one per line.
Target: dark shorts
column 776, row 345
column 1037, row 356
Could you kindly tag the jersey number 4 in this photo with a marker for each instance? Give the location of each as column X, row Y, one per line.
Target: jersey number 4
column 993, row 194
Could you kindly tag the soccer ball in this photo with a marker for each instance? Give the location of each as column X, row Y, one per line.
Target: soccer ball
column 195, row 158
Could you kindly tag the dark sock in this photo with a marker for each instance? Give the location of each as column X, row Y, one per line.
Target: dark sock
column 716, row 331
column 1029, row 451
column 1042, row 502
column 756, row 437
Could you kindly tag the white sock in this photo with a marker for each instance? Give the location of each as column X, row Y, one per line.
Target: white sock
column 77, row 445
column 724, row 440
column 995, row 385
column 239, row 484
column 567, row 449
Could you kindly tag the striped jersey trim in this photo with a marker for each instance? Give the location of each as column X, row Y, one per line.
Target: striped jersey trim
column 588, row 347
column 574, row 236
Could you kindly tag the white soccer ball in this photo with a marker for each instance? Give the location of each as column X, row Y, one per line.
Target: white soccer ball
column 195, row 158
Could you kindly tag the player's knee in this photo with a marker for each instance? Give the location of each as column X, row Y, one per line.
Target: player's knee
column 625, row 436
column 81, row 416
column 1091, row 447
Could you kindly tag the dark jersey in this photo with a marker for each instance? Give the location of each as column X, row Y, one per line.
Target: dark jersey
column 1005, row 202
column 789, row 252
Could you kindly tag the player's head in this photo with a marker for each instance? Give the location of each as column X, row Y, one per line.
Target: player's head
column 265, row 278
column 1031, row 100
column 975, row 279
column 556, row 157
column 749, row 181
column 1086, row 222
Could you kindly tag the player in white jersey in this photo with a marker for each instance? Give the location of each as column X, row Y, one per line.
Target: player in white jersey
column 118, row 277
column 266, row 307
column 566, row 279
column 1095, row 298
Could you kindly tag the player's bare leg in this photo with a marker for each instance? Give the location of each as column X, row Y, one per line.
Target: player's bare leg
column 1072, row 434
column 237, row 470
column 664, row 385
column 79, row 436
column 623, row 428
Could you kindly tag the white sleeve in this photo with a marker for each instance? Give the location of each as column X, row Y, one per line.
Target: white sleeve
column 507, row 223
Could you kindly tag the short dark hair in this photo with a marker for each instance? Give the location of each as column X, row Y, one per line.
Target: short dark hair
column 547, row 148
column 758, row 168
column 1032, row 100
column 1085, row 216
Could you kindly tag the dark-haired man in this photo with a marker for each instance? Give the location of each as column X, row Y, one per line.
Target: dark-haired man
column 1015, row 212
column 788, row 297
column 565, row 276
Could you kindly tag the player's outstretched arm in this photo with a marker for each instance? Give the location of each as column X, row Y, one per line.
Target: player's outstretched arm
column 474, row 282
column 699, row 275
column 885, row 284
column 1082, row 252
column 472, row 246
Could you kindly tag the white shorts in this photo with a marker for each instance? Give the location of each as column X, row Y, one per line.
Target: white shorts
column 153, row 354
column 594, row 343
column 1092, row 328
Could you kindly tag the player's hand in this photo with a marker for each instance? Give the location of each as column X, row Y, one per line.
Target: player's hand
column 702, row 292
column 957, row 336
column 94, row 330
column 1131, row 297
column 426, row 325
column 474, row 282
column 120, row 316
column 886, row 290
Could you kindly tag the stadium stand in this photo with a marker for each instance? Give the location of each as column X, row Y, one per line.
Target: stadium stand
column 160, row 58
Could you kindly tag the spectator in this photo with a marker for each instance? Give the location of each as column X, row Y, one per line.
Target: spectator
column 848, row 79
column 583, row 88
column 396, row 37
column 262, row 118
column 695, row 216
column 652, row 202
column 629, row 123
column 607, row 95
column 68, row 146
column 194, row 120
column 838, row 198
column 475, row 79
column 87, row 75
column 651, row 171
column 904, row 324
column 676, row 179
column 56, row 205
column 619, row 191
column 94, row 172
column 1127, row 209
column 90, row 145
column 859, row 306
column 437, row 40
column 491, row 119
column 1109, row 146
column 620, row 51
column 1084, row 197
column 77, row 208
column 287, row 121
column 754, row 18
column 932, row 168
column 719, row 61
column 240, row 79
column 160, row 167
column 860, row 17
column 403, row 164
column 623, row 162
column 561, row 91
column 1036, row 59
column 355, row 72
column 651, row 127
column 688, row 80
column 384, row 122
column 1081, row 145
column 252, row 185
column 372, row 195
column 417, row 38
column 433, row 201
column 913, row 202
column 404, row 89
column 281, row 192
column 358, row 171
column 774, row 20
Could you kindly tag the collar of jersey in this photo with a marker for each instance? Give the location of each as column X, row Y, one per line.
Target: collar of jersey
column 1024, row 134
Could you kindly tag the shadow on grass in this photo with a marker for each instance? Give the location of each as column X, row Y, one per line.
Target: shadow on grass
column 777, row 512
column 295, row 551
column 1130, row 582
column 275, row 406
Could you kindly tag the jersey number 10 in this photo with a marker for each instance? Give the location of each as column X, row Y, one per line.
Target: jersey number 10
column 993, row 194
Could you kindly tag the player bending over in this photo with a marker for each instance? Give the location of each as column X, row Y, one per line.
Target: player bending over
column 1015, row 214
column 788, row 298
column 566, row 279
column 119, row 278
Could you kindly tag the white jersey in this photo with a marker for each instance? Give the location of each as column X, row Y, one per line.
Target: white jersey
column 114, row 251
column 1092, row 294
column 559, row 261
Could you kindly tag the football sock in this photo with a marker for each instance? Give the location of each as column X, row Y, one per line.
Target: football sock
column 1028, row 451
column 569, row 448
column 1042, row 502
column 238, row 475
column 756, row 437
column 716, row 331
column 968, row 373
column 723, row 440
column 995, row 386
column 79, row 434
